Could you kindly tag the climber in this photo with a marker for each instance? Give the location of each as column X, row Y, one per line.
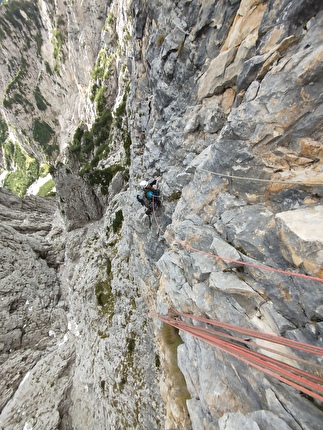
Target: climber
column 151, row 195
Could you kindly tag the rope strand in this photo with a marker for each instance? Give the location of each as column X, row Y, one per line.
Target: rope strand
column 302, row 380
column 273, row 181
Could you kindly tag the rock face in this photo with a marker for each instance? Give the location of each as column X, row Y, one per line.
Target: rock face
column 223, row 101
column 301, row 232
column 33, row 319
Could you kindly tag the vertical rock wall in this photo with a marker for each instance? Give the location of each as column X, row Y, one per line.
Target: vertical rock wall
column 221, row 93
column 227, row 92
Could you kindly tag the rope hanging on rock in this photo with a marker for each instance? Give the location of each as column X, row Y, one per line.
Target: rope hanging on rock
column 269, row 181
column 304, row 381
column 241, row 263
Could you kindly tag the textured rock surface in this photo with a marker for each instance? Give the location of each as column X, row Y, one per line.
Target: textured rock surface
column 33, row 319
column 302, row 234
column 224, row 96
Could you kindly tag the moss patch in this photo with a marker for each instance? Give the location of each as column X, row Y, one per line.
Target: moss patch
column 104, row 295
column 176, row 195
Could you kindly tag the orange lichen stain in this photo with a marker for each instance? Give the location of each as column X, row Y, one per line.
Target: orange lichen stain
column 208, row 298
column 276, row 187
column 272, row 41
column 228, row 100
column 311, row 148
column 285, row 293
column 247, row 20
column 310, row 69
column 314, row 268
column 306, row 97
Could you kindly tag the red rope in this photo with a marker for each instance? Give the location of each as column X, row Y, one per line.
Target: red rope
column 211, row 334
column 317, row 350
column 292, row 376
column 231, row 260
column 301, row 380
column 261, row 346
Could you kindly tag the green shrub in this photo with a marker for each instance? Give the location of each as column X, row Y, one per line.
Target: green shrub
column 40, row 101
column 127, row 147
column 100, row 98
column 18, row 76
column 110, row 19
column 103, row 177
column 176, row 195
column 8, row 152
column 48, row 69
column 92, row 145
column 117, row 222
column 3, row 131
column 42, row 132
column 26, row 170
column 58, row 41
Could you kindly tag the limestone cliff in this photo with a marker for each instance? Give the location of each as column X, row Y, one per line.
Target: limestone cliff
column 223, row 101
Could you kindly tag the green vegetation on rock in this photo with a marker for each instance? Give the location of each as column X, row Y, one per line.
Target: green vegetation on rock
column 117, row 222
column 171, row 340
column 104, row 176
column 42, row 133
column 3, row 131
column 26, row 169
column 104, row 294
column 15, row 92
column 40, row 101
column 44, row 170
column 120, row 114
column 100, row 75
column 58, row 40
column 8, row 154
column 46, row 190
column 89, row 147
column 23, row 18
column 12, row 16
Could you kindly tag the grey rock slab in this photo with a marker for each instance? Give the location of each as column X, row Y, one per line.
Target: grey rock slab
column 301, row 232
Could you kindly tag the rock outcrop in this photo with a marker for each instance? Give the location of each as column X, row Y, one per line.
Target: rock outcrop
column 223, row 101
